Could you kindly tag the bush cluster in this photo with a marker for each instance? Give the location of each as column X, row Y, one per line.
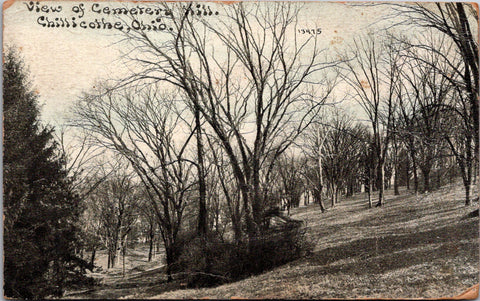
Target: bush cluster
column 209, row 261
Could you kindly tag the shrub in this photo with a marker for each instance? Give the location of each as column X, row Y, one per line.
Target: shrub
column 210, row 261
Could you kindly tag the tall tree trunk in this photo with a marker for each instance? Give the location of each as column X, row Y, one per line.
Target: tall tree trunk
column 92, row 258
column 465, row 164
column 468, row 202
column 369, row 184
column 426, row 179
column 333, row 193
column 320, row 170
column 414, row 166
column 395, row 180
column 469, row 51
column 317, row 194
column 381, row 188
column 415, row 176
column 337, row 189
column 113, row 256
column 395, row 167
column 257, row 206
column 249, row 222
column 350, row 188
column 169, row 261
column 110, row 259
column 168, row 244
column 202, row 189
column 237, row 229
column 475, row 172
column 468, row 166
column 370, row 188
column 151, row 238
column 118, row 255
column 407, row 173
column 124, row 251
column 234, row 210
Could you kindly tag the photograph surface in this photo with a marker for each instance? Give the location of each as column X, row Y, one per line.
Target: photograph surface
column 273, row 150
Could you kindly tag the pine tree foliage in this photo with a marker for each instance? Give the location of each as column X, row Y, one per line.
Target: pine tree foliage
column 40, row 208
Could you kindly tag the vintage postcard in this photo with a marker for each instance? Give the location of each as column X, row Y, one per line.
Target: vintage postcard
column 229, row 149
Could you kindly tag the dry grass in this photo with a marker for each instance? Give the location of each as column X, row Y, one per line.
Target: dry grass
column 140, row 276
column 413, row 247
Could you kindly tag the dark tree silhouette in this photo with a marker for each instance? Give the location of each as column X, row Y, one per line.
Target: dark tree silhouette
column 40, row 209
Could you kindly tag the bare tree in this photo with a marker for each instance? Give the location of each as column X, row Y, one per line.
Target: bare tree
column 438, row 99
column 87, row 170
column 372, row 71
column 290, row 169
column 140, row 126
column 81, row 160
column 430, row 90
column 228, row 185
column 459, row 135
column 459, row 22
column 149, row 222
column 115, row 203
column 313, row 147
column 368, row 165
column 341, row 152
column 337, row 147
column 256, row 85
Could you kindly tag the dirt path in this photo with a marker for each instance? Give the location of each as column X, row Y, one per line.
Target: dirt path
column 140, row 276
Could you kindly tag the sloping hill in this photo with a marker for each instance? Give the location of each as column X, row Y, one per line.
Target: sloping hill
column 415, row 246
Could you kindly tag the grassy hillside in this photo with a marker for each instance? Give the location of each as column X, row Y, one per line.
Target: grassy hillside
column 415, row 246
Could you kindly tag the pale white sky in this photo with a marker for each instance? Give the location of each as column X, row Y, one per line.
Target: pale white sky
column 64, row 62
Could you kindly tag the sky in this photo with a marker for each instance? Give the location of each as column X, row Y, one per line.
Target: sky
column 64, row 62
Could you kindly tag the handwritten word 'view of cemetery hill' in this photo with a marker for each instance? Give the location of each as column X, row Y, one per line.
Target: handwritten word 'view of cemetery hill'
column 101, row 16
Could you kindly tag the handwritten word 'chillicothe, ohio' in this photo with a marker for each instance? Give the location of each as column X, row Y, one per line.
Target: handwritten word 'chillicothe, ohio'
column 154, row 25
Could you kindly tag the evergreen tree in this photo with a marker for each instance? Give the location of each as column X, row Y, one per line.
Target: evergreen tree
column 40, row 207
